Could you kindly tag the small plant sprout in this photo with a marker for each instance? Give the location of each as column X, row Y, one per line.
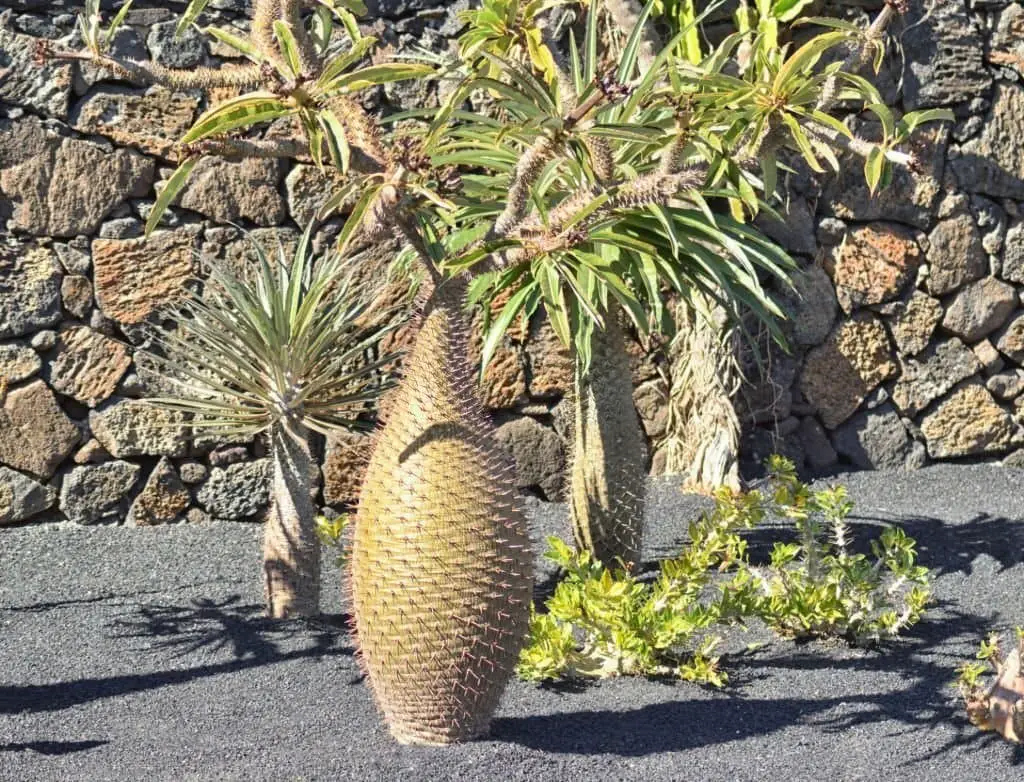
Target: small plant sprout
column 999, row 705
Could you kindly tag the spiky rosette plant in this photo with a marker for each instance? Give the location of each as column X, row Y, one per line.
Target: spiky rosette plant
column 279, row 347
column 442, row 570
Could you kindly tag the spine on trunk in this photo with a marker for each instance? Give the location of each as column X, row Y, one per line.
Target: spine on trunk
column 441, row 562
column 609, row 466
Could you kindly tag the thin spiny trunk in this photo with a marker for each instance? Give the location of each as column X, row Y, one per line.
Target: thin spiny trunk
column 291, row 551
column 610, row 460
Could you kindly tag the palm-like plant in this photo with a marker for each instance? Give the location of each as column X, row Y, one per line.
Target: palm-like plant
column 284, row 348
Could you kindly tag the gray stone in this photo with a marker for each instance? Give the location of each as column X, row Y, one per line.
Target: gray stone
column 991, row 360
column 651, row 402
column 795, row 231
column 839, row 374
column 73, row 259
column 818, row 450
column 991, row 219
column 30, row 282
column 943, row 51
column 758, row 444
column 238, row 491
column 979, row 309
column 21, row 498
column 955, row 255
column 45, row 89
column 231, row 454
column 88, row 365
column 993, row 163
column 18, row 362
column 163, row 500
column 831, row 231
column 968, row 422
column 538, row 455
column 874, row 440
column 308, row 189
column 91, row 453
column 938, row 369
column 1007, row 46
column 98, row 493
column 1011, row 340
column 122, row 228
column 76, row 294
column 811, row 306
column 35, row 434
column 58, row 186
column 128, row 427
column 183, row 51
column 43, row 341
column 913, row 322
column 1013, row 254
column 230, row 192
column 1006, row 385
column 192, row 472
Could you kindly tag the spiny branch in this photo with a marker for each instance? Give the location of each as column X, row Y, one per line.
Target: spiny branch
column 149, row 72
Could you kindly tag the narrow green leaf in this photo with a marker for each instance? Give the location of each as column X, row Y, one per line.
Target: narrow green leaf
column 116, row 22
column 243, row 111
column 289, row 47
column 170, row 191
column 235, row 42
column 500, row 325
column 192, row 12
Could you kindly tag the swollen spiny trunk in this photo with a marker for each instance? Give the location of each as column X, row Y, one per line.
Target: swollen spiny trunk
column 610, row 459
column 291, row 550
column 702, row 431
column 441, row 564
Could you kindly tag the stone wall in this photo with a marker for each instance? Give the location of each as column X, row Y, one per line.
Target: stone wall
column 907, row 331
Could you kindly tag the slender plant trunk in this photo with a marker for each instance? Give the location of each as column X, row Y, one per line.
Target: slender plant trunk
column 609, row 466
column 291, row 550
column 702, row 432
column 442, row 572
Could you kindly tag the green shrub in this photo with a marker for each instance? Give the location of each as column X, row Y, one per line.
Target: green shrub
column 818, row 588
column 603, row 622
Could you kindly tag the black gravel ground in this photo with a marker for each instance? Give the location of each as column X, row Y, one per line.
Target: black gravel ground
column 139, row 654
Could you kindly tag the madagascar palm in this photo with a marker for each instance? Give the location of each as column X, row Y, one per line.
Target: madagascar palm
column 282, row 349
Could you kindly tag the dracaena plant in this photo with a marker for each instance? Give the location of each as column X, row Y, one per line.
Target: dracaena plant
column 282, row 348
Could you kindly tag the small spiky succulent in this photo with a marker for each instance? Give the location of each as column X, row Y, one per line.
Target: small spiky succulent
column 283, row 347
column 441, row 564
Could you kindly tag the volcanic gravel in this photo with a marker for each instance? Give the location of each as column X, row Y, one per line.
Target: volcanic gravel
column 140, row 654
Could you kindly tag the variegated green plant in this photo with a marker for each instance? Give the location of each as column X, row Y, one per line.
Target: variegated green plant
column 282, row 347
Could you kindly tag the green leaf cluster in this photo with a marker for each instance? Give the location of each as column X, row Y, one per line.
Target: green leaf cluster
column 818, row 587
column 331, row 534
column 289, row 339
column 601, row 622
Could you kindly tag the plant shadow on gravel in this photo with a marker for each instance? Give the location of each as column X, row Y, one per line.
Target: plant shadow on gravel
column 53, row 747
column 235, row 630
